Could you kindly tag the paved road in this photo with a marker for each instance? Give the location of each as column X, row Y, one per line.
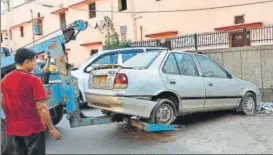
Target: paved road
column 221, row 132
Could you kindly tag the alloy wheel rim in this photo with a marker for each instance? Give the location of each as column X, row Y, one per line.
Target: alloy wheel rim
column 249, row 104
column 164, row 115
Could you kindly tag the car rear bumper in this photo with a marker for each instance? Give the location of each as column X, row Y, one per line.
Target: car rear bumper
column 132, row 106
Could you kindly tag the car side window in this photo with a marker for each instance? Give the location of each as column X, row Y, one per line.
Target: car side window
column 2, row 54
column 107, row 59
column 211, row 68
column 170, row 66
column 126, row 55
column 186, row 64
column 6, row 52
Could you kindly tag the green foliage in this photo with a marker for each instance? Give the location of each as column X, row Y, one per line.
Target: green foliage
column 111, row 37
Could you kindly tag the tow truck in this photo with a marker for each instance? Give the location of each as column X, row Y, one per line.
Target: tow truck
column 66, row 90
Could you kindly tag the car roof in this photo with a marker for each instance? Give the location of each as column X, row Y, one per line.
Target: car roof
column 132, row 48
column 187, row 52
column 125, row 49
column 98, row 54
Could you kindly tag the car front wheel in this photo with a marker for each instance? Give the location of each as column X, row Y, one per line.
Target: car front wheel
column 248, row 104
column 164, row 112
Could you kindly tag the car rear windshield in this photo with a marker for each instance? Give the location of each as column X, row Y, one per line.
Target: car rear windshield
column 142, row 60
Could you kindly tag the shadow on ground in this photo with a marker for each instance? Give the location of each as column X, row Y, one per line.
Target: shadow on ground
column 196, row 118
column 186, row 121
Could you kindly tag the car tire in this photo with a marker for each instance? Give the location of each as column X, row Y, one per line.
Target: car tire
column 163, row 113
column 59, row 114
column 6, row 143
column 81, row 101
column 248, row 104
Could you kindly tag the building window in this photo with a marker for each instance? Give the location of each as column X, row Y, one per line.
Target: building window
column 239, row 19
column 92, row 10
column 93, row 51
column 1, row 38
column 22, row 31
column 38, row 14
column 237, row 39
column 62, row 20
column 122, row 5
column 10, row 34
column 123, row 33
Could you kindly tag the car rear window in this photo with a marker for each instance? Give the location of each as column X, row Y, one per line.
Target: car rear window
column 142, row 60
column 128, row 54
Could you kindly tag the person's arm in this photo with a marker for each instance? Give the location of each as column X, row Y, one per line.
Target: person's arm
column 41, row 105
column 42, row 108
column 2, row 97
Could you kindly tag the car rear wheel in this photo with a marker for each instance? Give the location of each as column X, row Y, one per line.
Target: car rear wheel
column 164, row 112
column 6, row 144
column 248, row 104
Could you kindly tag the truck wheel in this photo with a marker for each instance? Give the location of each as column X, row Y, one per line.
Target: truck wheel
column 248, row 104
column 164, row 112
column 57, row 115
column 6, row 144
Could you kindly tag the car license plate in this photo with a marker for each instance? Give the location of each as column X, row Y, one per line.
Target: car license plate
column 100, row 80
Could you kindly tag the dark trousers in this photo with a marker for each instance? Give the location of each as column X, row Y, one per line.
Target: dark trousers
column 29, row 145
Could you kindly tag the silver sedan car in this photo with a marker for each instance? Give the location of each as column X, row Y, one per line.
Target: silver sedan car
column 157, row 86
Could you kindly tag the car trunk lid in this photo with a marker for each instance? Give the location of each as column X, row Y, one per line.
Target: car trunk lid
column 105, row 76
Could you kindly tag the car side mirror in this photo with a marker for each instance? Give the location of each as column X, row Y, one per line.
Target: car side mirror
column 229, row 76
column 71, row 65
column 88, row 69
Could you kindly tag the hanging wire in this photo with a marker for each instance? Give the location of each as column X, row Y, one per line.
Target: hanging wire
column 166, row 11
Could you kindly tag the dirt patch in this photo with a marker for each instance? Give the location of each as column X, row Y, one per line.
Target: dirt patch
column 158, row 137
column 144, row 136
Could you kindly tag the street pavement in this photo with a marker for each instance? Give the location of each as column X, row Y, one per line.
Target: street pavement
column 221, row 132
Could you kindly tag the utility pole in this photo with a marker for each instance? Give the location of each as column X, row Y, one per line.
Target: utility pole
column 135, row 26
column 135, row 17
column 7, row 11
column 112, row 9
column 33, row 35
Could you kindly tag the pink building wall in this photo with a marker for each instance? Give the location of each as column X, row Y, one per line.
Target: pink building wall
column 183, row 22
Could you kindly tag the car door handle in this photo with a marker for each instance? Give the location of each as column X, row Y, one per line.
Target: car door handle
column 172, row 82
column 210, row 84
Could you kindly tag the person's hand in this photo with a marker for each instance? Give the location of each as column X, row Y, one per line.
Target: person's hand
column 55, row 134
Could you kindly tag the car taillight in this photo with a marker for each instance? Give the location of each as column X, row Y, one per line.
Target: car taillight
column 120, row 81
